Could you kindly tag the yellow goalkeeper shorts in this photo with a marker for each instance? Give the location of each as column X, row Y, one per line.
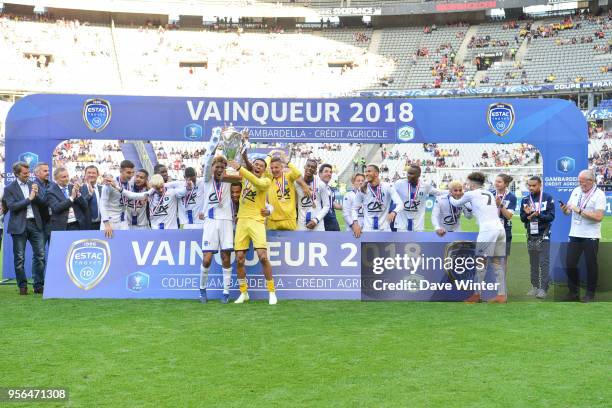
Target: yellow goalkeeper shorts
column 248, row 230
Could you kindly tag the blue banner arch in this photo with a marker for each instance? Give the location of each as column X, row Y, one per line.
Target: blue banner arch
column 37, row 123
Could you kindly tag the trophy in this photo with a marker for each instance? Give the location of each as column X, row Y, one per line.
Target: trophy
column 231, row 142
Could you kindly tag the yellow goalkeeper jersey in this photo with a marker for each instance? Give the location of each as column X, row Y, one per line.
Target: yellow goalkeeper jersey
column 253, row 199
column 281, row 194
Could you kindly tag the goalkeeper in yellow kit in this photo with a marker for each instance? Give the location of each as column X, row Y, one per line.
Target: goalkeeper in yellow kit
column 251, row 227
column 281, row 194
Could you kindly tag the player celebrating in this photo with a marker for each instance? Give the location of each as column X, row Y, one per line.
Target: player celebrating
column 491, row 240
column 312, row 207
column 446, row 217
column 250, row 226
column 413, row 194
column 190, row 205
column 217, row 215
column 375, row 197
column 136, row 210
column 112, row 202
column 347, row 204
column 282, row 191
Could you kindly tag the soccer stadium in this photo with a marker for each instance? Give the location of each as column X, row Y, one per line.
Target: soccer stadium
column 306, row 203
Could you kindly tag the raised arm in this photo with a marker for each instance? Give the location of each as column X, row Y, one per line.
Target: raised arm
column 260, row 183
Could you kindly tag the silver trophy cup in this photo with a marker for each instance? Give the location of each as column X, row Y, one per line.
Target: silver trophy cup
column 231, row 143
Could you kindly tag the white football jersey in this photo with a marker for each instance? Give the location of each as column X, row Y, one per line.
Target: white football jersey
column 163, row 208
column 412, row 207
column 347, row 210
column 304, row 203
column 447, row 216
column 376, row 202
column 113, row 202
column 483, row 207
column 136, row 212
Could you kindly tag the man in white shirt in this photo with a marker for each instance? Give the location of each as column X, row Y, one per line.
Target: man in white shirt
column 587, row 206
column 136, row 210
column 216, row 216
column 113, row 203
column 312, row 209
column 413, row 194
column 347, row 203
column 491, row 240
column 446, row 217
column 375, row 197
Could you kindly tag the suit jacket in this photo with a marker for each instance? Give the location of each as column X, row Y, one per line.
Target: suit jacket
column 43, row 208
column 18, row 208
column 60, row 207
column 89, row 199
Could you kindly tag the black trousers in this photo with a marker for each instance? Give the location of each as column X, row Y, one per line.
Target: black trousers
column 575, row 249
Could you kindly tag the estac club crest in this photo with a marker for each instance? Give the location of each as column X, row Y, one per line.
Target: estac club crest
column 500, row 118
column 88, row 262
column 96, row 114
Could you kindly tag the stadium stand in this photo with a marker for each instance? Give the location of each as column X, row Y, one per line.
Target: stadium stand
column 72, row 56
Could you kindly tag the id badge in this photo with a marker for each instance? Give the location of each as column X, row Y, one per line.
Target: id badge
column 134, row 220
column 376, row 223
column 534, row 228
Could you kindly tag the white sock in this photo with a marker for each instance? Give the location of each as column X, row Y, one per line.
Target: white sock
column 227, row 280
column 480, row 274
column 203, row 276
column 500, row 278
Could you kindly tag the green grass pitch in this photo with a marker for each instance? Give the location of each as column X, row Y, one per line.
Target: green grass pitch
column 173, row 353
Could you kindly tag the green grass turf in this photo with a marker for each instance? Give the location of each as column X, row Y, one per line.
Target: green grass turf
column 116, row 353
column 128, row 353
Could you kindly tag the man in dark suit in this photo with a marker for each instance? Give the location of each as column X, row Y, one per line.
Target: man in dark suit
column 68, row 207
column 25, row 224
column 41, row 173
column 91, row 192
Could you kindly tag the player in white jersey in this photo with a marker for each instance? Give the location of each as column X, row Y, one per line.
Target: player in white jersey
column 136, row 210
column 112, row 203
column 217, row 217
column 347, row 202
column 191, row 204
column 446, row 217
column 413, row 194
column 312, row 209
column 163, row 201
column 375, row 197
column 491, row 240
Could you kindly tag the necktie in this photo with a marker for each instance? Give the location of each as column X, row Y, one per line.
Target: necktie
column 65, row 190
column 94, row 205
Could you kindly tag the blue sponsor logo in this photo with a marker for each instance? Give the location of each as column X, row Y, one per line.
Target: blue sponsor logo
column 30, row 158
column 500, row 118
column 137, row 281
column 88, row 262
column 405, row 133
column 193, row 131
column 565, row 164
column 96, row 114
